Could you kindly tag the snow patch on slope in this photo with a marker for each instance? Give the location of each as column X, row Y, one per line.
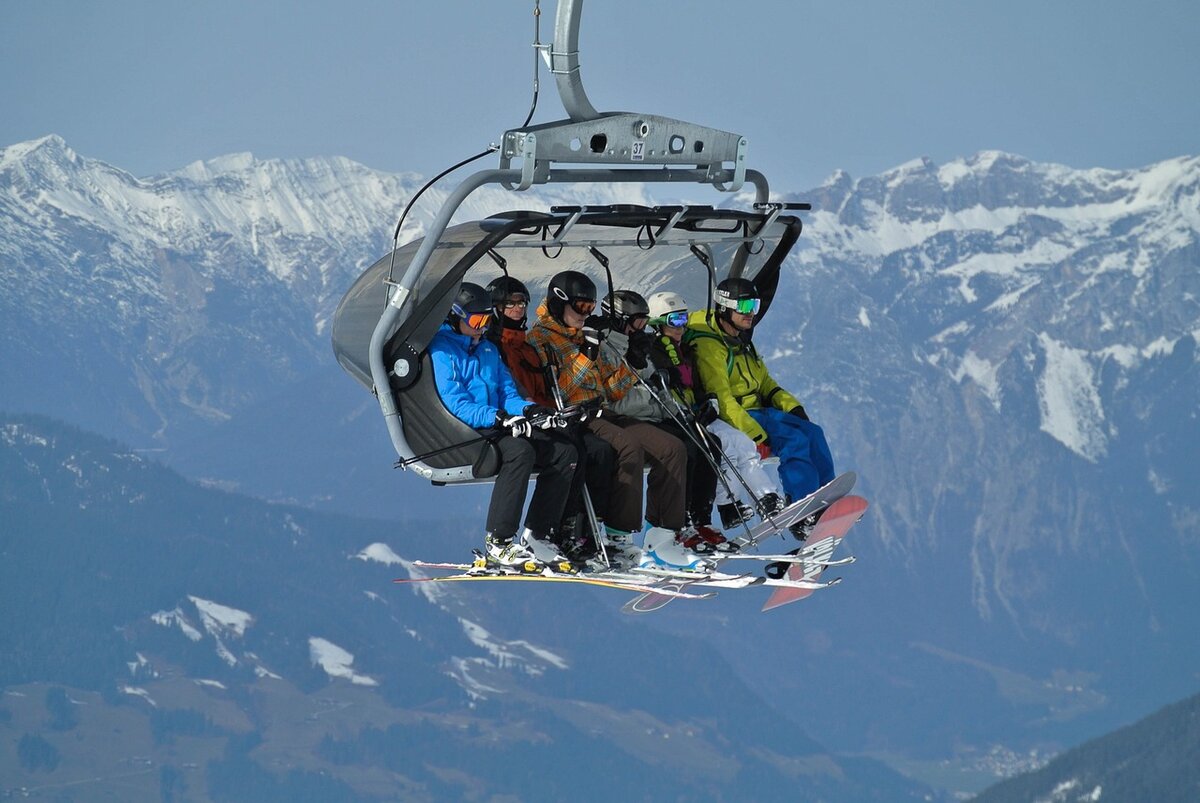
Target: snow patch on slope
column 1070, row 404
column 138, row 691
column 337, row 662
column 220, row 619
column 177, row 617
column 460, row 670
column 380, row 553
column 513, row 654
column 982, row 373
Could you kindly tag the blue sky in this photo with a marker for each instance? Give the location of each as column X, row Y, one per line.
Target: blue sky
column 399, row 85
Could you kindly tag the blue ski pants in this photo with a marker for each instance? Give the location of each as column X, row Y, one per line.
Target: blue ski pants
column 805, row 462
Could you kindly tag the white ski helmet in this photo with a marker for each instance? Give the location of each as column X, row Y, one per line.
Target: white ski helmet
column 664, row 302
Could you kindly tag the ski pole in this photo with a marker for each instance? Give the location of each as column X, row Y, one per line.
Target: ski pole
column 680, row 421
column 422, row 457
column 708, row 438
column 551, row 370
column 542, row 422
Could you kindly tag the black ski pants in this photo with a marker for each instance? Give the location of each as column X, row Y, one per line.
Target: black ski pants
column 555, row 458
column 601, row 462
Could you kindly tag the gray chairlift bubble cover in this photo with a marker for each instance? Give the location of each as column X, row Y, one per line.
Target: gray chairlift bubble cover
column 639, row 259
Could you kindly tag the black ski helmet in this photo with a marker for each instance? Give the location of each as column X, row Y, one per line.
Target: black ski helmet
column 502, row 288
column 732, row 291
column 566, row 287
column 624, row 307
column 471, row 300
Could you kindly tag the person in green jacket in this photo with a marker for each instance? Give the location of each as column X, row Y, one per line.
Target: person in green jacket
column 750, row 399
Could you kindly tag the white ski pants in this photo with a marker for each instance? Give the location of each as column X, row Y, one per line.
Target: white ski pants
column 741, row 451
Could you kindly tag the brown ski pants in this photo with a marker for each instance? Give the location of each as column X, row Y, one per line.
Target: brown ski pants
column 638, row 443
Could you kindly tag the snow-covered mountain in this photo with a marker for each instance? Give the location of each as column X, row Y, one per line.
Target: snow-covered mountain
column 167, row 641
column 1004, row 350
column 1100, row 264
column 183, row 298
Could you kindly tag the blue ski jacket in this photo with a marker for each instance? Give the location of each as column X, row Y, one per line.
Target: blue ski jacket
column 472, row 379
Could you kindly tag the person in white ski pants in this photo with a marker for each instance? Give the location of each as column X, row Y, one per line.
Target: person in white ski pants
column 743, row 454
column 668, row 315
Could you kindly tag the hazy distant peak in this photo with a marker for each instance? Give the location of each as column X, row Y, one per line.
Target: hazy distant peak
column 51, row 147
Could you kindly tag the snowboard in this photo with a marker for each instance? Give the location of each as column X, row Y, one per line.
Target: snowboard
column 818, row 553
column 818, row 500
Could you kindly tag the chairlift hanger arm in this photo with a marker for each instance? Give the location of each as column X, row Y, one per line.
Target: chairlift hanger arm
column 588, row 136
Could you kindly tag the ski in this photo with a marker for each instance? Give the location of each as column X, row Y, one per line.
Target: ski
column 678, row 575
column 655, row 599
column 817, row 501
column 635, row 574
column 833, row 526
column 552, row 578
column 799, row 557
column 796, row 575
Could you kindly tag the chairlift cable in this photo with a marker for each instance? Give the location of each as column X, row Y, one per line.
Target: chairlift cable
column 492, row 148
column 537, row 48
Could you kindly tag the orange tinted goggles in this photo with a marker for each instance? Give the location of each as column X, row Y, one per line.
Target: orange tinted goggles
column 474, row 320
column 478, row 320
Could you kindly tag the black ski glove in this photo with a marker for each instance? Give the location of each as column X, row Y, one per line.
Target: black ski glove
column 639, row 349
column 600, row 323
column 798, row 411
column 517, row 425
column 708, row 412
column 541, row 417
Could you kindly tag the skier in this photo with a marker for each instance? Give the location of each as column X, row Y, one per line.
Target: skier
column 627, row 340
column 669, row 316
column 510, row 300
column 750, row 400
column 478, row 389
column 565, row 335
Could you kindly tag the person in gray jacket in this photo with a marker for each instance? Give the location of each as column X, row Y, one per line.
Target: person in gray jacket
column 627, row 313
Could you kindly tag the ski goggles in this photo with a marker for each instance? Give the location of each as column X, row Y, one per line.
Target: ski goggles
column 676, row 319
column 514, row 302
column 584, row 306
column 745, row 306
column 473, row 320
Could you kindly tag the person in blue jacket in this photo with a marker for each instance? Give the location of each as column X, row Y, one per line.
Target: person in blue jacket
column 478, row 389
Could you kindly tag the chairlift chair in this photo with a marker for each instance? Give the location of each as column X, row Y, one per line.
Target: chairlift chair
column 383, row 325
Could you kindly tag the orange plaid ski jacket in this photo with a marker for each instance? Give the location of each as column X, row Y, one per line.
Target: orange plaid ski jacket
column 579, row 378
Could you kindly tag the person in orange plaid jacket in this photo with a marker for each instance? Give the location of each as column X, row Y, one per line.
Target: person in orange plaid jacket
column 568, row 339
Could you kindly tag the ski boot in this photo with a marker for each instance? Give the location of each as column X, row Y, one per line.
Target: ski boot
column 689, row 538
column 664, row 550
column 546, row 552
column 578, row 549
column 769, row 505
column 801, row 529
column 735, row 514
column 572, row 542
column 622, row 552
column 708, row 539
column 510, row 555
